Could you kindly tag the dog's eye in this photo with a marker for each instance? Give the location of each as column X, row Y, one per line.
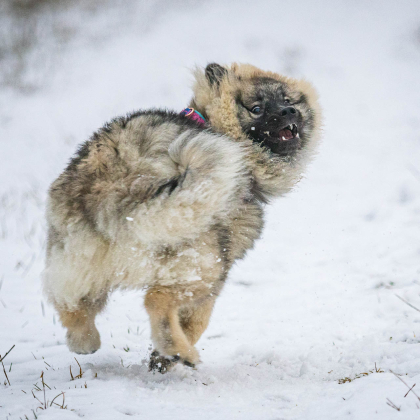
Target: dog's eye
column 256, row 109
column 286, row 101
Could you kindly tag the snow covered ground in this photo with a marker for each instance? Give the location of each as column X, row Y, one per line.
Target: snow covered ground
column 316, row 301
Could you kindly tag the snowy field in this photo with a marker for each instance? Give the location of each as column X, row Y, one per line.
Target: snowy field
column 315, row 303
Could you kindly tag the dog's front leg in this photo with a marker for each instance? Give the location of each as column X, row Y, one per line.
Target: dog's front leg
column 171, row 343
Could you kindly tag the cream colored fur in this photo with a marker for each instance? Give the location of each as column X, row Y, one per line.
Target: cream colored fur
column 276, row 176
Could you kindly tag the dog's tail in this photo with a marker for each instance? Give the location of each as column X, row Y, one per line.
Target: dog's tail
column 212, row 180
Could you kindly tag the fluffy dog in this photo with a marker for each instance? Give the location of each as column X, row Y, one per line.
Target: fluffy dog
column 155, row 201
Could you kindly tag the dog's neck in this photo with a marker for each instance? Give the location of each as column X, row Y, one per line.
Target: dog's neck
column 194, row 115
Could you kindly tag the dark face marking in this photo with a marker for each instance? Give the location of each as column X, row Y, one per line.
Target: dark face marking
column 274, row 116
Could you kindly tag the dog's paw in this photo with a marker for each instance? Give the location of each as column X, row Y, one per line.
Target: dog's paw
column 160, row 363
column 82, row 342
column 163, row 364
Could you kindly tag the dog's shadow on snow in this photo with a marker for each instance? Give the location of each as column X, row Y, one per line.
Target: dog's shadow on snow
column 138, row 372
column 242, row 369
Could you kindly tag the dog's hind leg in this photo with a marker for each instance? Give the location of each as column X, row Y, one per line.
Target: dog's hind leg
column 171, row 343
column 82, row 334
column 195, row 318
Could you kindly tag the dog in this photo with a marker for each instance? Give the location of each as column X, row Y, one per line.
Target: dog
column 167, row 202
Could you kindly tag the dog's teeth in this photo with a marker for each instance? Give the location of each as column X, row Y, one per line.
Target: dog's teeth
column 291, row 126
column 266, row 132
column 297, row 135
column 283, row 138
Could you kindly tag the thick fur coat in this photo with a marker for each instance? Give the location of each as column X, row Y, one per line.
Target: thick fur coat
column 154, row 201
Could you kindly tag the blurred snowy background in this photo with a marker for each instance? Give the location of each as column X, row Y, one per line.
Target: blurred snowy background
column 315, row 304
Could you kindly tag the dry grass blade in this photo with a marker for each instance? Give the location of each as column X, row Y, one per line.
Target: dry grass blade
column 43, row 388
column 44, row 384
column 5, row 374
column 37, row 387
column 2, row 358
column 52, row 402
column 62, row 406
column 405, row 383
column 408, row 303
column 36, row 398
column 80, row 375
column 378, row 370
column 409, row 390
column 391, row 404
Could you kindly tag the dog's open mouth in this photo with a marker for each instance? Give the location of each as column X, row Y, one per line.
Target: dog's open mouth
column 289, row 132
column 282, row 142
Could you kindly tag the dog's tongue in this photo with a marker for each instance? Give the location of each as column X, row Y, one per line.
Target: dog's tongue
column 285, row 134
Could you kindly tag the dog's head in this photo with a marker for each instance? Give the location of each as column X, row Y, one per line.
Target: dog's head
column 274, row 111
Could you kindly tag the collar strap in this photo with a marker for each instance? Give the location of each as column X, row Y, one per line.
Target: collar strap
column 194, row 115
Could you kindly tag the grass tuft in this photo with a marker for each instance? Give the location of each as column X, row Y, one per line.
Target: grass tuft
column 360, row 375
column 80, row 375
column 44, row 404
column 4, row 369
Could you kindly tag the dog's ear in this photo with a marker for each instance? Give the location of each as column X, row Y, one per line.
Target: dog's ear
column 215, row 73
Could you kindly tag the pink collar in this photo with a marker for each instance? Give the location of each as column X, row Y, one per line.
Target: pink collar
column 194, row 115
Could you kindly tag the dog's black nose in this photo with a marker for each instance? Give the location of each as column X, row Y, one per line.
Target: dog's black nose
column 288, row 111
column 284, row 116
